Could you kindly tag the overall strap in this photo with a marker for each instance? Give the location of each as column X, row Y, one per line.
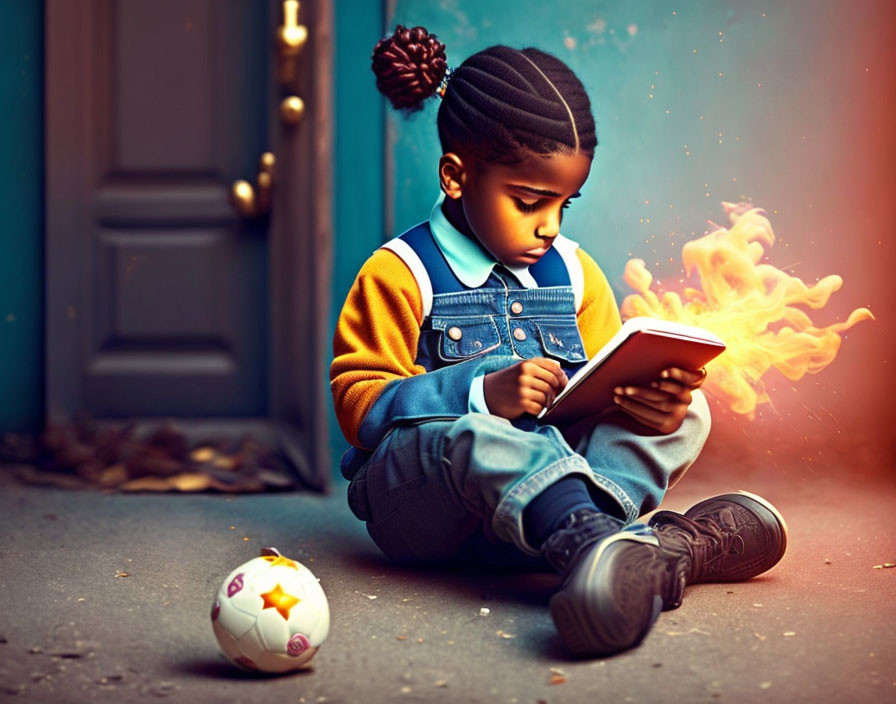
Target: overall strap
column 550, row 270
column 441, row 276
column 561, row 267
column 418, row 249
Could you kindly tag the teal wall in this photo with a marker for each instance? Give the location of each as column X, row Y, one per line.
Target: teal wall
column 785, row 103
column 358, row 194
column 358, row 203
column 21, row 215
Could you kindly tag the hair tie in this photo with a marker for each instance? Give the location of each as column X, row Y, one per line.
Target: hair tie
column 443, row 86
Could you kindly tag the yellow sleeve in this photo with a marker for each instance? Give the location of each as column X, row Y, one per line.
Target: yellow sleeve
column 598, row 317
column 376, row 338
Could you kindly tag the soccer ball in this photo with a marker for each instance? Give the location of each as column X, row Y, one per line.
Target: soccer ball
column 270, row 614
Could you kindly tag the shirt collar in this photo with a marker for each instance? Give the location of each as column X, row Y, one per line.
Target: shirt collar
column 468, row 259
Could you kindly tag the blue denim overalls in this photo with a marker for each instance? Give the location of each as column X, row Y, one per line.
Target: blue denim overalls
column 442, row 481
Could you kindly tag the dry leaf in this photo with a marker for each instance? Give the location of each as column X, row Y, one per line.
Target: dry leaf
column 203, row 454
column 557, row 676
column 112, row 476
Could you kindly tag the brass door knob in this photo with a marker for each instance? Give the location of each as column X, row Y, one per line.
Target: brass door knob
column 292, row 108
column 291, row 37
column 252, row 201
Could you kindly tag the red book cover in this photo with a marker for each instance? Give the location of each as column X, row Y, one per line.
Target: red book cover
column 635, row 356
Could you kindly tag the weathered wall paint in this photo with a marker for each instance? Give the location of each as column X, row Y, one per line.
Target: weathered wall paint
column 21, row 214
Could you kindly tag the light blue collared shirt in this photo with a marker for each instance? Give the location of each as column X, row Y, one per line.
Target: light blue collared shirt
column 469, row 260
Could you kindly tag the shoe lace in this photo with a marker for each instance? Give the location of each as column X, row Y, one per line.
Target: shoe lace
column 706, row 542
column 581, row 529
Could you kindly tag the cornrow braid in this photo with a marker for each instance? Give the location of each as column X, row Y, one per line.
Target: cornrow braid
column 498, row 103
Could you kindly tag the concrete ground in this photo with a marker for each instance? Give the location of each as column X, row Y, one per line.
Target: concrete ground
column 820, row 627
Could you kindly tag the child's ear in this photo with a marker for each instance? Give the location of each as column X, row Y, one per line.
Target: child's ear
column 452, row 175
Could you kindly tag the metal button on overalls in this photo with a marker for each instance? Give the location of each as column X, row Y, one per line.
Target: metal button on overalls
column 516, row 307
column 519, row 334
column 455, row 333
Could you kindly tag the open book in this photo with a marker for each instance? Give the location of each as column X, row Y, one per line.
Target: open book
column 634, row 356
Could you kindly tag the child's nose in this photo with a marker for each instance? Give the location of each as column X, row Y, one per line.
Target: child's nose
column 550, row 227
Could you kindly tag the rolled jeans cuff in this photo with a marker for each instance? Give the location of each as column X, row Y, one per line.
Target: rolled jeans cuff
column 507, row 520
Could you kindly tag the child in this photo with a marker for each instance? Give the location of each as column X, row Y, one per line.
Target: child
column 457, row 333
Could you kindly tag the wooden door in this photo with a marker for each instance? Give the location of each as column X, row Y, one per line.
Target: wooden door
column 163, row 300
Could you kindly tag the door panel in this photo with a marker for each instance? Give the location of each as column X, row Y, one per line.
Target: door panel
column 172, row 306
column 163, row 72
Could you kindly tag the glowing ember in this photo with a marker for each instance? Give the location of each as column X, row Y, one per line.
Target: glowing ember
column 751, row 306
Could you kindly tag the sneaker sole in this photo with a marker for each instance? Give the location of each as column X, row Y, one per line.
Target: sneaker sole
column 608, row 610
column 778, row 517
column 775, row 512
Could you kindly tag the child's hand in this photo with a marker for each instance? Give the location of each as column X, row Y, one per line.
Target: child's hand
column 664, row 404
column 525, row 387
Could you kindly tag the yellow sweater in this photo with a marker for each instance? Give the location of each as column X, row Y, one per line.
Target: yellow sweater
column 377, row 332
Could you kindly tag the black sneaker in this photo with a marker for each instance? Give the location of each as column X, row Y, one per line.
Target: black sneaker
column 727, row 538
column 611, row 594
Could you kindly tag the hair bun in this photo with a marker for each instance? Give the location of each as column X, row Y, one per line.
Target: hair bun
column 409, row 66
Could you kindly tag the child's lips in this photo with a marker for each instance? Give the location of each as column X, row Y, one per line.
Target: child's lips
column 538, row 252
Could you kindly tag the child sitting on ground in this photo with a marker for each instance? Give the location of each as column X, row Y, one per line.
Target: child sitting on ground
column 457, row 333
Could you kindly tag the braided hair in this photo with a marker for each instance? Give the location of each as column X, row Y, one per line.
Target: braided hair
column 498, row 104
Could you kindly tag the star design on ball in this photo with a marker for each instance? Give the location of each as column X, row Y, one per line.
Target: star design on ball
column 280, row 560
column 280, row 600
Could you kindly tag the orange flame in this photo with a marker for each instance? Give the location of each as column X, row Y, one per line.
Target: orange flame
column 751, row 306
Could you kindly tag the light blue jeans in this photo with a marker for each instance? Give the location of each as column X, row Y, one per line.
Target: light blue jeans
column 452, row 490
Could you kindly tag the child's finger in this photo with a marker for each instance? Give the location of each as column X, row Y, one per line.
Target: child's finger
column 645, row 394
column 688, row 377
column 550, row 371
column 541, row 387
column 658, row 400
column 647, row 415
column 669, row 386
column 535, row 400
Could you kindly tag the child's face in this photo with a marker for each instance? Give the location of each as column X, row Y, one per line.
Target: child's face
column 515, row 211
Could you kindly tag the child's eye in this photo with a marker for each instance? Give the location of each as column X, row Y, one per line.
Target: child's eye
column 525, row 207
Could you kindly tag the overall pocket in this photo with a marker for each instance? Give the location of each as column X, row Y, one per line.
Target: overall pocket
column 561, row 340
column 463, row 337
